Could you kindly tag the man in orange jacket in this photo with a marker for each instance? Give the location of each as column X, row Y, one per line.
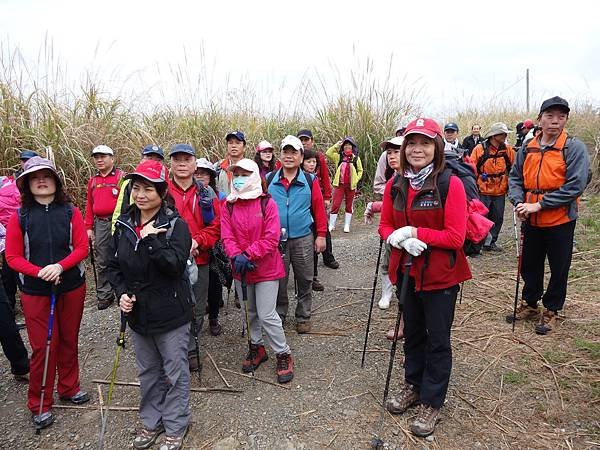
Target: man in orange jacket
column 493, row 159
column 549, row 175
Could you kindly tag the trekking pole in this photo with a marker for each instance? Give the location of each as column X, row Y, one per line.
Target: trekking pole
column 462, row 286
column 519, row 243
column 362, row 363
column 245, row 300
column 196, row 332
column 38, row 428
column 93, row 261
column 113, row 375
column 377, row 442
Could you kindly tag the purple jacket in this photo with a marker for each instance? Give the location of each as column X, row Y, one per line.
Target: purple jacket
column 246, row 230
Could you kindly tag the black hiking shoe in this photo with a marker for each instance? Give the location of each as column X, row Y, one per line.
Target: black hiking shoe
column 78, row 399
column 547, row 323
column 215, row 327
column 146, row 438
column 317, row 285
column 331, row 263
column 104, row 303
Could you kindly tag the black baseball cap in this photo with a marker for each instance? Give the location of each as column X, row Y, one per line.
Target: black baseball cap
column 236, row 134
column 305, row 133
column 27, row 154
column 153, row 150
column 182, row 148
column 451, row 126
column 555, row 102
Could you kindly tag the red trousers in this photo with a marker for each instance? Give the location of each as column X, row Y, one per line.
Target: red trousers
column 339, row 192
column 63, row 348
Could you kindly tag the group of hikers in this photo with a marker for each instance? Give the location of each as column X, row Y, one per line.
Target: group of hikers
column 168, row 238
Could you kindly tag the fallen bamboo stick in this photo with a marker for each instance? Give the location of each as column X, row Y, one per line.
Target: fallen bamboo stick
column 94, row 407
column 192, row 389
column 327, row 333
column 217, row 369
column 100, row 401
column 352, row 396
column 282, row 386
column 351, row 288
column 305, row 413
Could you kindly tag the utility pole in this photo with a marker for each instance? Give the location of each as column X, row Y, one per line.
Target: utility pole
column 527, row 88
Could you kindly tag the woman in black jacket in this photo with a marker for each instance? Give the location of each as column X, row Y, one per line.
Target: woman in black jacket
column 148, row 273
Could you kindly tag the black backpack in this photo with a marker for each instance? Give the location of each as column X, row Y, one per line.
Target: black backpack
column 501, row 153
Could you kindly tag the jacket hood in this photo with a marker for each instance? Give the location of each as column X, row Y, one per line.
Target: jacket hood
column 352, row 142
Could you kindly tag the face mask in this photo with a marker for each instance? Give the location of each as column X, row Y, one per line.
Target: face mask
column 348, row 152
column 239, row 182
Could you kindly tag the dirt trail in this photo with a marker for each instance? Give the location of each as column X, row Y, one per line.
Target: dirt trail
column 507, row 390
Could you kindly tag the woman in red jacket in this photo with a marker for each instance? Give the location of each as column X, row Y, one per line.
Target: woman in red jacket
column 416, row 219
column 250, row 234
column 46, row 243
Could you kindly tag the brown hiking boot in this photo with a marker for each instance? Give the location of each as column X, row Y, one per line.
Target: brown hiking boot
column 424, row 424
column 524, row 312
column 303, row 327
column 317, row 285
column 408, row 396
column 548, row 322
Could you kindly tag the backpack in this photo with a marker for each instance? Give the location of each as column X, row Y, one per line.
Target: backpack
column 477, row 226
column 310, row 179
column 500, row 153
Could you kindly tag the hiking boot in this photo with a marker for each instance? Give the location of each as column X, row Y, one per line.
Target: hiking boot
column 285, row 368
column 104, row 303
column 524, row 312
column 237, row 301
column 174, row 442
column 255, row 357
column 424, row 424
column 317, row 285
column 43, row 420
column 21, row 378
column 78, row 399
column 548, row 322
column 303, row 327
column 331, row 263
column 146, row 438
column 408, row 396
column 215, row 327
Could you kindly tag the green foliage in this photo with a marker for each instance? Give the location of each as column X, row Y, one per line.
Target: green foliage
column 591, row 347
column 515, row 377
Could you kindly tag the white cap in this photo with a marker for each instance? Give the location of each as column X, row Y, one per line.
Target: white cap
column 394, row 141
column 246, row 164
column 293, row 141
column 102, row 150
column 203, row 163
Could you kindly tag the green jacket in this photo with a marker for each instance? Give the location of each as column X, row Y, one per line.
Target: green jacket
column 356, row 173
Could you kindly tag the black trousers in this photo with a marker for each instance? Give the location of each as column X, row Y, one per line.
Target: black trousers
column 215, row 295
column 556, row 243
column 327, row 254
column 10, row 339
column 495, row 204
column 428, row 317
column 9, row 278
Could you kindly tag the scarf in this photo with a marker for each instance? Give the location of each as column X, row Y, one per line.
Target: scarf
column 252, row 188
column 418, row 179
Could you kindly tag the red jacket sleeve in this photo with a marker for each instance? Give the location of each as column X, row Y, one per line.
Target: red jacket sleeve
column 318, row 210
column 80, row 242
column 89, row 205
column 324, row 176
column 452, row 237
column 386, row 223
column 15, row 247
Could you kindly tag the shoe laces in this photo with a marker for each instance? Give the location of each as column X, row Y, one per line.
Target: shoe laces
column 426, row 413
column 252, row 353
column 282, row 362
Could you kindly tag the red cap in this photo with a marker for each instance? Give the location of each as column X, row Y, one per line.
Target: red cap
column 153, row 171
column 426, row 127
column 528, row 123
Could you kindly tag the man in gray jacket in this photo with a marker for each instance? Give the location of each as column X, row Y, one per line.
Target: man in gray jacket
column 549, row 175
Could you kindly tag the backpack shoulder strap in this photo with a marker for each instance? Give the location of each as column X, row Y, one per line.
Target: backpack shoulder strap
column 484, row 157
column 263, row 203
column 169, row 232
column 443, row 184
column 394, row 190
column 270, row 177
column 310, row 179
column 23, row 213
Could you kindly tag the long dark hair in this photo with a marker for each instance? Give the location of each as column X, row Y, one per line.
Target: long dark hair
column 60, row 196
column 260, row 163
column 438, row 156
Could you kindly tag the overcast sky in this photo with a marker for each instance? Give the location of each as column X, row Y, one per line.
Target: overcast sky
column 454, row 53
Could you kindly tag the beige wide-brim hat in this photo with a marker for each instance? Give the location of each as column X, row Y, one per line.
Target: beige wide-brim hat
column 497, row 128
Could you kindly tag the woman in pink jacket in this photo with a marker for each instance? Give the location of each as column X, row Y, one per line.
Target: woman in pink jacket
column 250, row 234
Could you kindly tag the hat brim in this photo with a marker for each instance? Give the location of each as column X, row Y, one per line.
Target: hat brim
column 102, row 153
column 131, row 176
column 496, row 133
column 162, row 156
column 21, row 178
column 301, row 149
column 185, row 152
column 304, row 135
column 429, row 134
column 210, row 169
column 233, row 135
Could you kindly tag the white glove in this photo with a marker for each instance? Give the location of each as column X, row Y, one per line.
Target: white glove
column 369, row 213
column 398, row 236
column 414, row 246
